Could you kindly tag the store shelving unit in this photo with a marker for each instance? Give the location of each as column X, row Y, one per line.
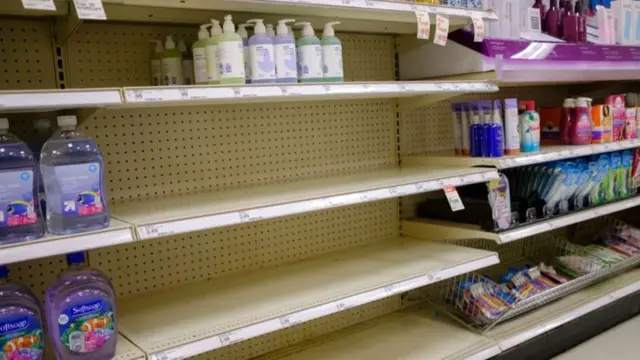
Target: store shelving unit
column 127, row 351
column 456, row 231
column 187, row 321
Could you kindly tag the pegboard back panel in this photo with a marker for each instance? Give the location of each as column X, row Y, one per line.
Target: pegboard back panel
column 26, row 54
column 429, row 130
column 118, row 54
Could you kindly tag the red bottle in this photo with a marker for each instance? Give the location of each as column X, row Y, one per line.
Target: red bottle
column 551, row 19
column 581, row 22
column 569, row 24
column 561, row 6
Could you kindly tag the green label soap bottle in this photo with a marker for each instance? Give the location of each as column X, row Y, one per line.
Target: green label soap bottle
column 172, row 64
column 230, row 55
column 332, row 69
column 211, row 49
column 200, row 56
column 309, row 54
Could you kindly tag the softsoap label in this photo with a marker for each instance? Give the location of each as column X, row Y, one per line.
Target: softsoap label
column 21, row 338
column 86, row 327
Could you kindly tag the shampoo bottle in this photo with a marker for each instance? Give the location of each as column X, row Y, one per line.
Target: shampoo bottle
column 20, row 216
column 262, row 55
column 73, row 173
column 187, row 63
column 530, row 127
column 568, row 112
column 22, row 335
column 172, row 63
column 81, row 313
column 211, row 48
column 231, row 55
column 156, row 64
column 331, row 55
column 569, row 24
column 242, row 31
column 511, row 127
column 581, row 23
column 496, row 133
column 285, row 49
column 539, row 5
column 580, row 129
column 551, row 19
column 475, row 130
column 309, row 55
column 200, row 56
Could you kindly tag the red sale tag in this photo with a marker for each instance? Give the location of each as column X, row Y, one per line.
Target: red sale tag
column 442, row 30
column 424, row 25
column 454, row 198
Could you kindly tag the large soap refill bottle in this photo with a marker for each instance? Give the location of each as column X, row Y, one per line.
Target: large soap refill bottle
column 309, row 55
column 332, row 68
column 20, row 215
column 81, row 313
column 21, row 324
column 262, row 55
column 73, row 174
column 231, row 55
column 286, row 57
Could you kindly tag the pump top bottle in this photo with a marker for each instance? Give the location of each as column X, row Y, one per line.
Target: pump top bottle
column 187, row 63
column 270, row 31
column 200, row 55
column 230, row 55
column 309, row 53
column 242, row 31
column 332, row 68
column 262, row 55
column 285, row 51
column 172, row 63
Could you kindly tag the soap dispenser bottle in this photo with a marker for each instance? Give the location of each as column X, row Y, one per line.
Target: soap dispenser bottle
column 231, row 55
column 200, row 56
column 156, row 63
column 172, row 63
column 262, row 55
column 332, row 69
column 286, row 59
column 213, row 60
column 309, row 53
column 270, row 31
column 187, row 63
column 242, row 31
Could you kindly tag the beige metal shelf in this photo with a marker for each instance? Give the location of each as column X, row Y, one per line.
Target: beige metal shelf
column 421, row 333
column 117, row 233
column 546, row 154
column 176, row 323
column 127, row 351
column 432, row 229
column 177, row 214
column 56, row 99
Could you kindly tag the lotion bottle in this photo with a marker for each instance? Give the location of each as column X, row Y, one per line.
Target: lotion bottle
column 309, row 55
column 230, row 55
column 262, row 55
column 332, row 68
column 285, row 50
column 213, row 62
column 172, row 64
column 156, row 64
column 242, row 31
column 200, row 56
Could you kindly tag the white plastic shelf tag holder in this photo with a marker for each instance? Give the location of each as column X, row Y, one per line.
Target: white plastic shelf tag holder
column 424, row 25
column 39, row 5
column 90, row 9
column 442, row 30
column 478, row 28
column 453, row 198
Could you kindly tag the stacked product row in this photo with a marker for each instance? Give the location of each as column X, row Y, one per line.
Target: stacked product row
column 80, row 316
column 228, row 57
column 60, row 180
column 484, row 299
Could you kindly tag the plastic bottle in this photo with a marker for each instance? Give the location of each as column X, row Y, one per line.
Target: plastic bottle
column 213, row 60
column 581, row 23
column 270, row 31
column 156, row 64
column 332, row 68
column 20, row 321
column 172, row 64
column 580, row 129
column 475, row 131
column 286, row 58
column 496, row 132
column 262, row 55
column 530, row 127
column 73, row 174
column 187, row 63
column 561, row 9
column 242, row 31
column 551, row 19
column 200, row 56
column 539, row 5
column 485, row 118
column 42, row 129
column 511, row 127
column 568, row 111
column 231, row 55
column 20, row 215
column 569, row 24
column 81, row 313
column 309, row 53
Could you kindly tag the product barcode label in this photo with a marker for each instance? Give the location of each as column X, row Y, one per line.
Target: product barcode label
column 478, row 28
column 39, row 5
column 535, row 24
column 454, row 198
column 424, row 25
column 442, row 30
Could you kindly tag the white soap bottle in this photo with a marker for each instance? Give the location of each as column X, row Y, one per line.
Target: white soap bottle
column 213, row 62
column 242, row 31
column 332, row 69
column 231, row 55
column 285, row 54
column 172, row 64
column 200, row 56
column 156, row 63
column 309, row 54
column 261, row 53
column 187, row 63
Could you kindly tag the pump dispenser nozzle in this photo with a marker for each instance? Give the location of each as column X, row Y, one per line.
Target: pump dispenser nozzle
column 169, row 43
column 216, row 30
column 282, row 28
column 204, row 32
column 307, row 30
column 159, row 48
column 228, row 26
column 242, row 30
column 328, row 28
column 270, row 31
column 258, row 26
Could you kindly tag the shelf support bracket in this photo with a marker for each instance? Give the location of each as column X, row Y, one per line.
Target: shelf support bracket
column 67, row 26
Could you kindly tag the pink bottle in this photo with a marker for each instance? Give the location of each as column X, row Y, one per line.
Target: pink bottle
column 581, row 22
column 569, row 24
column 580, row 129
column 552, row 18
column 568, row 110
column 561, row 5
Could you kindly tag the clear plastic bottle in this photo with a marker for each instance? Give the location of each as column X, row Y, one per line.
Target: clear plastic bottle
column 20, row 215
column 21, row 326
column 81, row 313
column 73, row 174
column 42, row 129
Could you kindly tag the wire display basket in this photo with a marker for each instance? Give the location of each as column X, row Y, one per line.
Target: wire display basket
column 482, row 300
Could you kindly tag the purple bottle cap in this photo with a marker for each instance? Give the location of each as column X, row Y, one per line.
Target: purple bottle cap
column 75, row 258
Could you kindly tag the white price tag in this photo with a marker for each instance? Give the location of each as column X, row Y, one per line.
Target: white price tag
column 153, row 231
column 454, row 198
column 90, row 9
column 442, row 30
column 230, row 337
column 289, row 320
column 39, row 5
column 478, row 28
column 424, row 25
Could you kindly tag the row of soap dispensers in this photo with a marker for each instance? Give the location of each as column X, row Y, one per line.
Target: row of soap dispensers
column 224, row 56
